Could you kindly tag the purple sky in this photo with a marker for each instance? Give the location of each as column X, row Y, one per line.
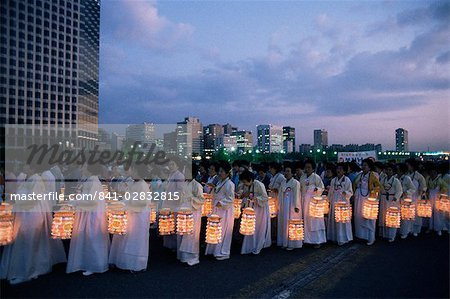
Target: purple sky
column 357, row 69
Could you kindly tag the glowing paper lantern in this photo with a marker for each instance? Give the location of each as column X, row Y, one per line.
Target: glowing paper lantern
column 408, row 209
column 152, row 216
column 213, row 230
column 326, row 209
column 185, row 222
column 248, row 222
column 62, row 224
column 166, row 222
column 207, row 206
column 317, row 207
column 237, row 208
column 370, row 208
column 393, row 217
column 443, row 203
column 424, row 209
column 117, row 218
column 273, row 209
column 6, row 224
column 342, row 212
column 295, row 230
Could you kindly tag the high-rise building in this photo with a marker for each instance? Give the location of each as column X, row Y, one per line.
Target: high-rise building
column 190, row 137
column 229, row 129
column 401, row 140
column 49, row 56
column 244, row 140
column 304, row 148
column 289, row 139
column 210, row 135
column 117, row 141
column 270, row 139
column 143, row 133
column 320, row 138
column 170, row 143
column 227, row 142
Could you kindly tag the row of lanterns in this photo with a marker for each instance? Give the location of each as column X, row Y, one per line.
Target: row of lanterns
column 6, row 224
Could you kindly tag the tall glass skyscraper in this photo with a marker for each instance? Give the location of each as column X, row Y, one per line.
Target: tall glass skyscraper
column 49, row 57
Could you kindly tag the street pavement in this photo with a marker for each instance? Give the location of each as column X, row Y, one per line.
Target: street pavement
column 413, row 268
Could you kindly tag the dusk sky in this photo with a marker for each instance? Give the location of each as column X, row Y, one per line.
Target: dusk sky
column 357, row 69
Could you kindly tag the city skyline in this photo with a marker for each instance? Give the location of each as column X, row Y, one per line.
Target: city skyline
column 359, row 70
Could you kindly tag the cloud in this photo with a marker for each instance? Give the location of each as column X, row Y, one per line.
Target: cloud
column 138, row 23
column 312, row 83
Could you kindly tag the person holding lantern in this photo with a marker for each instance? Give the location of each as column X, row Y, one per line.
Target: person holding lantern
column 391, row 192
column 213, row 178
column 192, row 199
column 311, row 185
column 89, row 246
column 28, row 256
column 406, row 226
column 365, row 185
column 421, row 188
column 130, row 251
column 175, row 185
column 290, row 208
column 223, row 198
column 274, row 186
column 340, row 190
column 435, row 187
column 259, row 201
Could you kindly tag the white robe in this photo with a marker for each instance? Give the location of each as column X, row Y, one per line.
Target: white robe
column 406, row 226
column 89, row 246
column 189, row 245
column 261, row 238
column 390, row 194
column 223, row 194
column 314, row 227
column 364, row 228
column 175, row 183
column 436, row 187
column 28, row 255
column 289, row 199
column 421, row 187
column 130, row 251
column 339, row 232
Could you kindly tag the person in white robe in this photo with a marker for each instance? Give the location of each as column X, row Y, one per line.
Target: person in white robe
column 290, row 208
column 130, row 251
column 436, row 186
column 189, row 245
column 276, row 181
column 175, row 185
column 56, row 246
column 28, row 256
column 259, row 201
column 213, row 178
column 340, row 190
column 406, row 226
column 89, row 246
column 223, row 197
column 421, row 188
column 390, row 194
column 311, row 185
column 365, row 185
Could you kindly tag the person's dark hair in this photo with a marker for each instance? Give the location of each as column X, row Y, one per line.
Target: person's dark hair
column 225, row 166
column 379, row 164
column 413, row 162
column 444, row 167
column 235, row 163
column 215, row 165
column 275, row 166
column 288, row 165
column 402, row 167
column 246, row 175
column 299, row 165
column 370, row 163
column 312, row 163
column 390, row 165
column 353, row 166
